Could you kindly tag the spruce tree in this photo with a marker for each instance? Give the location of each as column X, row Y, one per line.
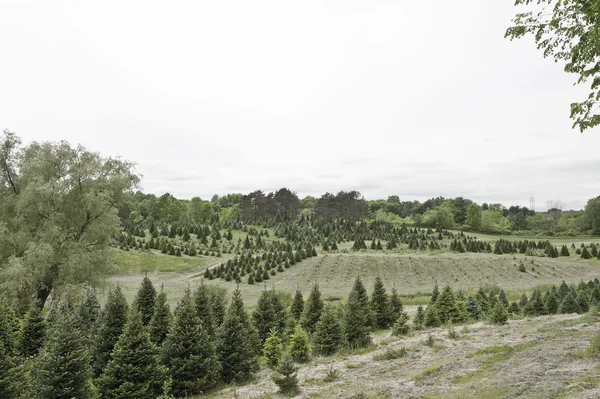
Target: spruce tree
column 563, row 291
column 218, row 302
column 483, row 301
column 328, row 335
column 297, row 306
column 551, row 304
column 538, row 303
column 134, row 370
column 161, row 319
column 33, row 332
column 286, row 377
column 569, row 305
column 237, row 343
column 582, row 302
column 473, row 308
column 431, row 318
column 357, row 320
column 188, row 352
column 299, row 347
column 273, row 349
column 401, row 327
column 446, row 306
column 89, row 310
column 264, row 316
column 62, row 368
column 10, row 326
column 498, row 314
column 395, row 305
column 434, row 295
column 7, row 374
column 113, row 321
column 145, row 300
column 204, row 309
column 380, row 305
column 502, row 298
column 419, row 318
column 312, row 310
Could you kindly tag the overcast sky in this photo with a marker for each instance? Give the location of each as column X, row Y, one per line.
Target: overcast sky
column 416, row 99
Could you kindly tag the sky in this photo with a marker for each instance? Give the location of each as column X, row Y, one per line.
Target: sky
column 415, row 99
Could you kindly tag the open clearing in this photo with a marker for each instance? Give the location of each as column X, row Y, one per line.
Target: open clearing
column 412, row 274
column 530, row 358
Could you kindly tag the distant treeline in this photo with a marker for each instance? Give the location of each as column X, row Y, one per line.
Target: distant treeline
column 458, row 213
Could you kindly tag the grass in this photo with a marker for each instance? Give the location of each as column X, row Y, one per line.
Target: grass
column 146, row 262
column 428, row 372
column 390, row 354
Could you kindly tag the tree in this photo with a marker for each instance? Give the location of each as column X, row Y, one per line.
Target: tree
column 498, row 315
column 58, row 213
column 113, row 322
column 204, row 309
column 473, row 308
column 328, row 335
column 161, row 319
column 299, row 346
column 396, row 307
column 446, row 306
column 419, row 318
column 502, row 298
column 357, row 320
column 7, row 374
column 312, row 310
column 401, row 326
column 297, row 305
column 380, row 305
column 33, row 332
column 286, row 377
column 145, row 300
column 273, row 349
column 551, row 304
column 89, row 310
column 134, row 370
column 62, row 369
column 592, row 215
column 237, row 343
column 189, row 353
column 569, row 305
column 268, row 315
column 431, row 318
column 473, row 217
column 566, row 31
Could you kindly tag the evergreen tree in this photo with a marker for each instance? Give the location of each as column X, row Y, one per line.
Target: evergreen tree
column 498, row 315
column 446, row 306
column 297, row 306
column 10, row 327
column 396, row 305
column 401, row 327
column 286, row 377
column 161, row 319
column 523, row 301
column 189, row 353
column 380, row 305
column 113, row 321
column 299, row 347
column 582, row 302
column 273, row 349
column 551, row 304
column 328, row 335
column 419, row 318
column 569, row 305
column 218, row 302
column 431, row 318
column 145, row 300
column 502, row 298
column 62, row 370
column 473, row 308
column 312, row 310
column 134, row 370
column 204, row 309
column 585, row 254
column 538, row 303
column 434, row 295
column 7, row 374
column 483, row 301
column 563, row 291
column 264, row 316
column 237, row 342
column 357, row 320
column 89, row 310
column 33, row 332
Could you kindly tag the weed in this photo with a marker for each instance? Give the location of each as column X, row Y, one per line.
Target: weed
column 332, row 375
column 391, row 354
column 452, row 334
column 430, row 341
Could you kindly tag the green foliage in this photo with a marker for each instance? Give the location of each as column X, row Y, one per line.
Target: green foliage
column 474, row 217
column 145, row 300
column 89, row 310
column 401, row 326
column 237, row 343
column 551, row 304
column 268, row 315
column 297, row 306
column 473, row 308
column 396, row 307
column 569, row 305
column 357, row 317
column 33, row 332
column 434, row 294
column 502, row 298
column 391, row 354
column 299, row 347
column 328, row 335
column 419, row 318
column 582, row 303
column 62, row 368
column 10, row 326
column 431, row 318
column 380, row 305
column 188, row 351
column 134, row 370
column 273, row 349
column 161, row 319
column 312, row 310
column 204, row 309
column 446, row 306
column 8, row 388
column 113, row 322
column 286, row 377
column 57, row 215
column 498, row 315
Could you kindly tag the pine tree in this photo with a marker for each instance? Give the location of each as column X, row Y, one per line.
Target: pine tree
column 538, row 303
column 33, row 332
column 62, row 370
column 145, row 300
column 299, row 347
column 419, row 318
column 401, row 327
column 357, row 320
column 264, row 316
column 328, row 335
column 502, row 298
column 563, row 291
column 10, row 325
column 483, row 301
column 569, row 305
column 237, row 342
column 161, row 319
column 312, row 310
column 286, row 377
column 204, row 309
column 473, row 308
column 273, row 349
column 380, row 305
column 134, row 370
column 431, row 318
column 585, row 254
column 113, row 321
column 446, row 306
column 395, row 304
column 7, row 374
column 297, row 306
column 551, row 304
column 498, row 315
column 218, row 302
column 582, row 302
column 189, row 353
column 89, row 310
column 434, row 295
